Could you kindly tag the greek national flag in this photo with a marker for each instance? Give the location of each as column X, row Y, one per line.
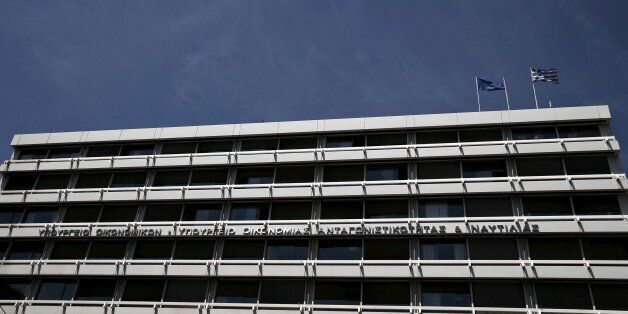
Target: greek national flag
column 547, row 75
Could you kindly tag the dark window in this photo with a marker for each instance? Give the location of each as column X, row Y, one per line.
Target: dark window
column 445, row 294
column 554, row 248
column 22, row 250
column 571, row 131
column 20, row 182
column 546, row 205
column 151, row 249
column 255, row 176
column 55, row 289
column 298, row 142
column 194, row 249
column 563, row 295
column 586, row 165
column 596, row 205
column 52, row 181
column 185, row 290
column 341, row 210
column 82, row 214
column 246, row 250
column 480, row 135
column 209, row 177
column 282, row 291
column 137, row 150
column 493, row 249
column 443, row 249
column 249, row 211
column 483, row 168
column 128, row 180
column 337, row 292
column 294, row 174
column 107, row 250
column 344, row 141
column 143, row 290
column 389, row 249
column 33, row 153
column 436, row 137
column 377, row 209
column 610, row 296
column 259, row 144
column 533, row 133
column 162, row 212
column 178, row 148
column 202, row 212
column 439, row 208
column 498, row 294
column 96, row 289
column 438, row 169
column 14, row 289
column 11, row 215
column 92, row 180
column 64, row 152
column 291, row 211
column 383, row 172
column 118, row 213
column 231, row 291
column 4, row 245
column 40, row 214
column 339, row 173
column 386, row 139
column 340, row 249
column 69, row 250
column 287, row 249
column 103, row 151
column 386, row 293
column 605, row 248
column 488, row 206
column 171, row 178
column 545, row 166
column 215, row 146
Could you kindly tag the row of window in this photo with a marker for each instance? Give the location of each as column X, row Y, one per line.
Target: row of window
column 442, row 169
column 506, row 248
column 308, row 142
column 565, row 295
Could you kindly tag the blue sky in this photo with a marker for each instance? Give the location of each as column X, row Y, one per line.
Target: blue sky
column 85, row 65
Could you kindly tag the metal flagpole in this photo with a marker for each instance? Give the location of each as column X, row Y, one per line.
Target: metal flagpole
column 506, row 91
column 477, row 91
column 536, row 101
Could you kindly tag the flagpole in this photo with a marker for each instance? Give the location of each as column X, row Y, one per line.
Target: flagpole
column 506, row 91
column 536, row 101
column 477, row 91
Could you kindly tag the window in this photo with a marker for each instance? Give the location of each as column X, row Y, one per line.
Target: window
column 493, row 249
column 118, row 213
column 96, row 289
column 52, row 181
column 571, row 131
column 215, row 146
column 103, row 151
column 483, row 168
column 443, row 249
column 259, row 144
column 243, row 249
column 510, row 294
column 337, row 292
column 436, row 137
column 554, row 248
column 137, row 150
column 40, row 214
column 194, row 249
column 341, row 210
column 440, row 208
column 143, row 290
column 178, row 148
column 14, row 289
column 108, row 249
column 546, row 166
column 255, row 176
column 344, row 141
column 282, row 291
column 11, row 215
column 202, row 212
column 445, row 294
column 93, row 180
column 185, row 290
column 287, row 249
column 33, row 153
column 20, row 182
column 65, row 152
column 298, row 142
column 128, row 180
column 386, row 293
column 383, row 172
column 605, row 248
column 153, row 249
column 610, row 296
column 55, row 289
column 162, row 212
column 209, row 177
column 4, row 245
column 488, row 206
column 386, row 249
column 480, row 135
column 533, row 133
column 236, row 291
column 23, row 250
column 562, row 295
column 586, row 165
column 291, row 211
column 339, row 249
column 81, row 214
column 386, row 139
column 596, row 205
column 171, row 178
column 438, row 169
column 69, row 250
column 378, row 209
column 546, row 205
column 294, row 174
column 339, row 173
column 249, row 211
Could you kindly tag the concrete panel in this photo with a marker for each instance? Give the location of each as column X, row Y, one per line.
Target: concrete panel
column 604, row 112
column 98, row 269
column 440, row 188
column 475, row 118
column 348, row 190
column 145, row 269
column 52, row 164
column 426, row 152
column 528, row 115
column 277, row 311
column 131, row 162
column 178, row 132
column 16, row 269
column 435, row 120
column 604, row 226
column 297, row 127
column 103, row 136
column 215, row 130
column 65, row 137
column 484, row 150
column 300, row 156
column 272, row 270
column 58, row 269
column 389, row 189
column 188, row 270
column 257, row 157
column 177, row 310
column 26, row 230
column 577, row 113
column 285, row 191
column 449, row 271
column 43, row 309
column 83, row 196
column 23, row 166
column 95, row 163
column 134, row 310
column 392, row 153
column 172, row 161
column 537, row 148
column 154, row 195
column 95, row 309
column 238, row 270
column 544, row 186
column 589, row 146
column 206, row 193
column 34, row 139
column 336, row 270
column 232, row 311
column 374, row 123
column 488, row 187
column 114, row 195
column 43, row 197
column 15, row 140
column 211, row 159
column 609, row 272
column 241, row 191
column 259, row 128
column 352, row 154
column 355, row 124
column 560, row 271
column 11, row 197
column 387, row 271
column 498, row 271
column 596, row 184
column 138, row 134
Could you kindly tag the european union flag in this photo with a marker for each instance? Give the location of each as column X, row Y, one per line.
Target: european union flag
column 489, row 85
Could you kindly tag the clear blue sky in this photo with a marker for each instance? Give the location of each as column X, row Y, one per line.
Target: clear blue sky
column 84, row 65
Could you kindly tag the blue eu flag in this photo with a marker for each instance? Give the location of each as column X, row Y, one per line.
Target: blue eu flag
column 489, row 85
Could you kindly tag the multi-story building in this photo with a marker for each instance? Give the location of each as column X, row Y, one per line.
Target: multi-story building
column 521, row 211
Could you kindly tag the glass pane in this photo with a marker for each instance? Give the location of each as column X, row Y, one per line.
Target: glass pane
column 40, row 214
column 545, row 166
column 128, row 180
column 282, row 291
column 20, row 182
column 255, row 176
column 56, row 290
column 606, row 248
column 14, row 289
column 610, row 296
column 386, row 293
column 386, row 139
column 189, row 290
column 33, row 153
column 22, row 250
column 137, row 150
column 341, row 210
column 533, row 133
column 443, row 249
column 52, row 181
column 480, row 135
column 171, row 178
column 488, row 206
column 202, row 212
column 389, row 249
column 386, row 209
column 435, row 137
column 383, row 172
column 249, row 211
column 245, row 250
column 259, row 144
column 4, row 246
column 572, row 131
column 298, row 142
column 546, row 205
column 294, row 174
column 493, row 249
column 178, row 148
column 163, row 212
column 587, row 165
column 554, row 248
column 228, row 291
column 194, row 249
column 339, row 173
column 563, row 295
column 82, row 214
column 510, row 294
column 107, row 250
column 287, row 249
column 209, row 177
column 596, row 205
column 118, row 213
column 445, row 294
column 92, row 180
column 11, row 215
column 483, row 168
column 215, row 146
column 340, row 249
column 291, row 211
column 64, row 152
column 149, row 249
column 103, row 151
column 69, row 250
column 337, row 292
column 143, row 290
column 440, row 208
column 344, row 141
column 96, row 289
column 438, row 169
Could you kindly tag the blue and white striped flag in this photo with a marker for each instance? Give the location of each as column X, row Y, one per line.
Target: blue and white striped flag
column 544, row 75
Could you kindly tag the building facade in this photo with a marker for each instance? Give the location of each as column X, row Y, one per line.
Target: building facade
column 521, row 211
